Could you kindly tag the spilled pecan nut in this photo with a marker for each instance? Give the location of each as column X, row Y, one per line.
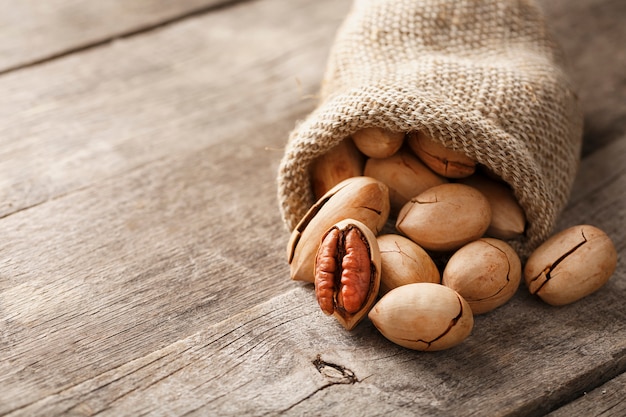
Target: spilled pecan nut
column 485, row 272
column 423, row 316
column 570, row 265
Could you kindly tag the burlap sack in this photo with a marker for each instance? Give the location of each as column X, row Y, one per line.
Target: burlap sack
column 482, row 76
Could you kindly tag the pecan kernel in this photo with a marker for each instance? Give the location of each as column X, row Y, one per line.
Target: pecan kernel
column 347, row 272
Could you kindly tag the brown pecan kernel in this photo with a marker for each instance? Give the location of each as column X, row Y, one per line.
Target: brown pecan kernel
column 355, row 274
column 347, row 272
column 325, row 268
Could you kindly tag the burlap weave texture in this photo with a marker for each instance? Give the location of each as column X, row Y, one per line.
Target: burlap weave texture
column 481, row 76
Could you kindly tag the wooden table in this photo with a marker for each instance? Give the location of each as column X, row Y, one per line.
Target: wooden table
column 142, row 255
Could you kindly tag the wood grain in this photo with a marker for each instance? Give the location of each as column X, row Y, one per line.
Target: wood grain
column 34, row 31
column 102, row 276
column 111, row 259
column 105, row 111
column 592, row 34
column 142, row 265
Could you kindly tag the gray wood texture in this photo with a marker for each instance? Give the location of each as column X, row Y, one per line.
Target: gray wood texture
column 142, row 259
column 592, row 34
column 35, row 31
column 181, row 88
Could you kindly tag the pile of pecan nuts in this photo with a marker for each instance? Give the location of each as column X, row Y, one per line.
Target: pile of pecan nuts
column 447, row 258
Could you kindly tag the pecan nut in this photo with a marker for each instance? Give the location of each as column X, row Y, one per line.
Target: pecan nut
column 445, row 217
column 378, row 143
column 485, row 272
column 444, row 161
column 570, row 265
column 423, row 316
column 341, row 162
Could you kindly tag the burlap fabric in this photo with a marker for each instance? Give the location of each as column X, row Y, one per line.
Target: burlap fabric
column 482, row 76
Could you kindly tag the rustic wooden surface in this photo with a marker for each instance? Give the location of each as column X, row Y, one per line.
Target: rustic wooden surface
column 34, row 32
column 142, row 265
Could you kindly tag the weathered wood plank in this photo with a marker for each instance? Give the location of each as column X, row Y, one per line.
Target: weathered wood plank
column 285, row 357
column 607, row 400
column 75, row 121
column 163, row 239
column 185, row 231
column 105, row 275
column 593, row 35
column 35, row 31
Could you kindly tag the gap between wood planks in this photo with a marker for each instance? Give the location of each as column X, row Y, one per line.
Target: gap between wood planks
column 140, row 29
column 607, row 400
